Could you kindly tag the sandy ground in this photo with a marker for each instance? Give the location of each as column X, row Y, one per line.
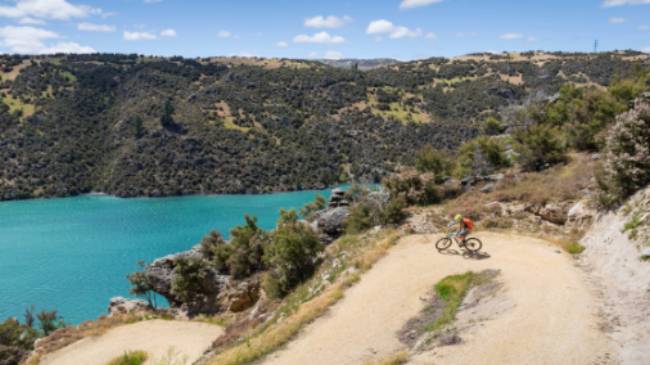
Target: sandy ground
column 613, row 264
column 552, row 320
column 184, row 340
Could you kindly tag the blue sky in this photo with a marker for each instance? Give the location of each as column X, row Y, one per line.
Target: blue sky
column 403, row 29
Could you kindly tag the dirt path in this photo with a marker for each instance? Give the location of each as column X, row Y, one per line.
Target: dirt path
column 184, row 340
column 553, row 319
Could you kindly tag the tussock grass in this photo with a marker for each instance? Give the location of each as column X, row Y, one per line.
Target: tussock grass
column 301, row 307
column 130, row 358
column 574, row 248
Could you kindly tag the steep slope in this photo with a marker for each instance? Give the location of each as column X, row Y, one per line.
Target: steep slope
column 553, row 317
column 614, row 265
column 133, row 125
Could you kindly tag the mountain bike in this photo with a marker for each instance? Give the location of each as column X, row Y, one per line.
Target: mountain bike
column 472, row 244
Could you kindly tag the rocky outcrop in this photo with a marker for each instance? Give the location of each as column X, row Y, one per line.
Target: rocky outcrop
column 239, row 295
column 121, row 305
column 330, row 223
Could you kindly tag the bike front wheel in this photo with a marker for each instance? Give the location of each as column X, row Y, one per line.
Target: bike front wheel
column 443, row 243
column 473, row 244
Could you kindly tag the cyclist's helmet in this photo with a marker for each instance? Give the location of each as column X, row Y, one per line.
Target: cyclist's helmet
column 458, row 218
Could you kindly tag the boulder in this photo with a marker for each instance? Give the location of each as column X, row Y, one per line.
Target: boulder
column 236, row 296
column 554, row 213
column 121, row 305
column 331, row 222
column 580, row 214
column 488, row 188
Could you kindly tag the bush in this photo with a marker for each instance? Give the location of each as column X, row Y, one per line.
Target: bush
column 142, row 286
column 16, row 340
column 481, row 156
column 292, row 254
column 394, row 212
column 539, row 147
column 242, row 256
column 50, row 321
column 429, row 159
column 627, row 161
column 493, row 127
column 309, row 209
column 130, row 358
column 414, row 188
column 191, row 280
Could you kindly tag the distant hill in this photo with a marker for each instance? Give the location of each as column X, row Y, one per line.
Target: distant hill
column 361, row 64
column 132, row 125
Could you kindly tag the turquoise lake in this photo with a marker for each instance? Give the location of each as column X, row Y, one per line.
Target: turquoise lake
column 73, row 254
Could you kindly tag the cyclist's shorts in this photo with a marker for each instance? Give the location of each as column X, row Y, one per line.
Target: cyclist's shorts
column 463, row 232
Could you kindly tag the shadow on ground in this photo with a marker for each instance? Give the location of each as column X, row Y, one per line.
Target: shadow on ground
column 466, row 254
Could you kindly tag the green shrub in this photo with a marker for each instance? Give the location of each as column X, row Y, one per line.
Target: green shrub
column 190, row 281
column 142, row 286
column 539, row 147
column 50, row 321
column 394, row 212
column 292, row 254
column 429, row 159
column 309, row 209
column 130, row 358
column 16, row 341
column 627, row 160
column 481, row 156
column 247, row 249
column 493, row 127
column 362, row 217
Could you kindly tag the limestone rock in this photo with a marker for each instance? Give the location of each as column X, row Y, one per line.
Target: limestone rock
column 121, row 305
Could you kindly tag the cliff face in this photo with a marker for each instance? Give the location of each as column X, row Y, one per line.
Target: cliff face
column 131, row 126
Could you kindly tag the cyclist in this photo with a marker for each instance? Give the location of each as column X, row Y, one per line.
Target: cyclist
column 465, row 227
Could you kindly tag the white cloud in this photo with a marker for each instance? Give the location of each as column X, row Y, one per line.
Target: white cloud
column 168, row 33
column 320, row 37
column 431, row 35
column 282, row 44
column 511, row 36
column 30, row 21
column 644, row 28
column 410, row 4
column 31, row 40
column 68, row 47
column 91, row 27
column 224, row 34
column 385, row 27
column 139, row 36
column 333, row 55
column 152, row 1
column 313, row 54
column 531, row 39
column 616, row 20
column 613, row 3
column 331, row 21
column 47, row 9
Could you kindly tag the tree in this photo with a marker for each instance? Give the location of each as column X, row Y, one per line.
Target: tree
column 138, row 126
column 539, row 147
column 292, row 254
column 309, row 209
column 50, row 321
column 167, row 120
column 429, row 159
column 141, row 285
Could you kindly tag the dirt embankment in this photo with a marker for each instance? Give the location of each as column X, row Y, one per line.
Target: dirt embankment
column 553, row 316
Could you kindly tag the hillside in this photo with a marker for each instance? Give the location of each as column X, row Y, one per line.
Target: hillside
column 132, row 125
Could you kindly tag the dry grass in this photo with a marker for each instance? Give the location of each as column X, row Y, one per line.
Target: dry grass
column 130, row 358
column 557, row 184
column 299, row 309
column 16, row 104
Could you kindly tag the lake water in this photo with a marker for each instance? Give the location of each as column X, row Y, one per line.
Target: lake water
column 73, row 254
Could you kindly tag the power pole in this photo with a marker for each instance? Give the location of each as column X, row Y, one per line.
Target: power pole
column 596, row 46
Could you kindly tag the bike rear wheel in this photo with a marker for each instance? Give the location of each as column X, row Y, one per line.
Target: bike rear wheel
column 473, row 244
column 443, row 243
